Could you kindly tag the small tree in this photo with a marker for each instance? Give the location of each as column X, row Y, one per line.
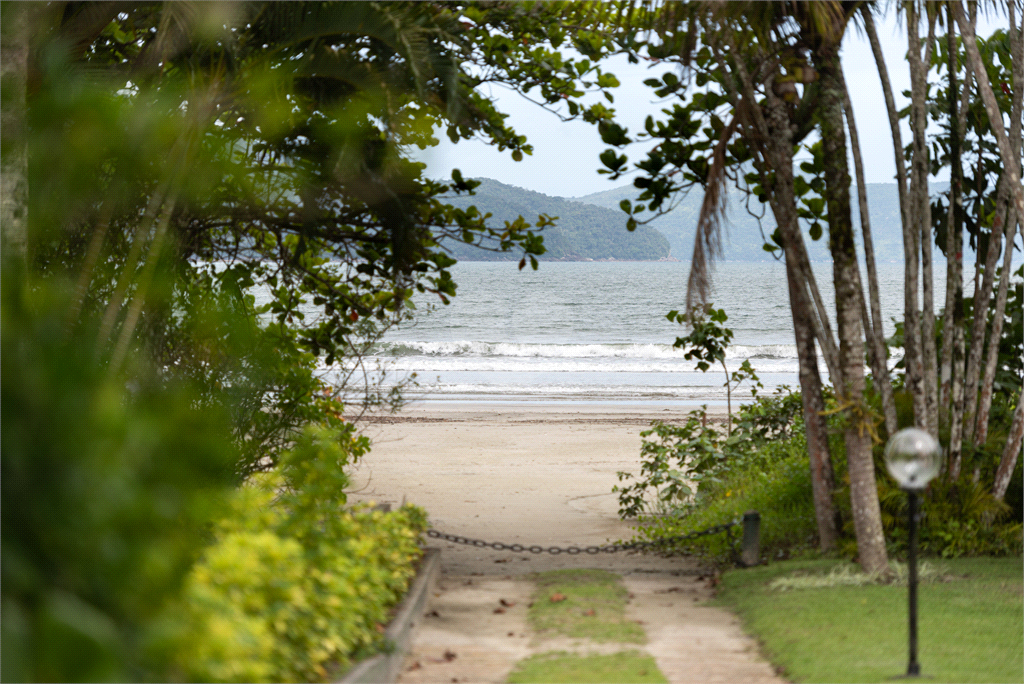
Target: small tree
column 707, row 343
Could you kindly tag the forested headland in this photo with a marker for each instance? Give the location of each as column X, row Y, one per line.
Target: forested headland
column 582, row 231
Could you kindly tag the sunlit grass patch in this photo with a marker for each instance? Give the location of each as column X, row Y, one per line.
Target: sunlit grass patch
column 588, row 604
column 971, row 627
column 628, row 667
column 850, row 575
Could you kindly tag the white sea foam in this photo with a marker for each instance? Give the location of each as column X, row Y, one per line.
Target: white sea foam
column 466, row 348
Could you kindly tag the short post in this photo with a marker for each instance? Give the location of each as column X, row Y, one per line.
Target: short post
column 750, row 554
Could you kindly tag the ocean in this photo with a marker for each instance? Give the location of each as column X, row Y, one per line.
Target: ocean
column 596, row 332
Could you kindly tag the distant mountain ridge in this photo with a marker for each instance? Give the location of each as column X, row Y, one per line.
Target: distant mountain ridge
column 743, row 238
column 593, row 227
column 582, row 232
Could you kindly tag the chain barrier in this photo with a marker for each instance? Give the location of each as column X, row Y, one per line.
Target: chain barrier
column 593, row 550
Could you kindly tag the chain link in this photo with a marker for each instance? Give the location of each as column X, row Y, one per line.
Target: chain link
column 593, row 550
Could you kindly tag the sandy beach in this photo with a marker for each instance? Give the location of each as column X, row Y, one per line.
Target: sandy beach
column 520, row 473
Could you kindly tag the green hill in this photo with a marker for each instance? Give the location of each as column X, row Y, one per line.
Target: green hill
column 744, row 241
column 582, row 232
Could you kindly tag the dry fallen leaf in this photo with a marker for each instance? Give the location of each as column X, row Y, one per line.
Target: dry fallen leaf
column 499, row 610
column 507, row 604
column 433, row 613
column 590, row 613
column 449, row 656
column 415, row 666
column 555, row 598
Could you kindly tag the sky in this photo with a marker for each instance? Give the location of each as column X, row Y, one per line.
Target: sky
column 565, row 158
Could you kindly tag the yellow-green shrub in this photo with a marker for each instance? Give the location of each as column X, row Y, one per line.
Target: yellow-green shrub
column 296, row 584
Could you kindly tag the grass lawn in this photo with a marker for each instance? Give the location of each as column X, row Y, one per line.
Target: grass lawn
column 589, row 604
column 970, row 623
column 555, row 667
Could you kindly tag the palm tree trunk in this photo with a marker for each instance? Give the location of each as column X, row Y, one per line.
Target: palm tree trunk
column 773, row 131
column 14, row 48
column 873, row 328
column 863, row 488
column 822, row 474
column 922, row 224
column 912, row 357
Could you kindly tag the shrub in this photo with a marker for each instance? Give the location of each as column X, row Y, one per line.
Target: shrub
column 780, row 491
column 295, row 585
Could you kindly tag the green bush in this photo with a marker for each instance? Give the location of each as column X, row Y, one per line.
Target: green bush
column 780, row 490
column 295, row 585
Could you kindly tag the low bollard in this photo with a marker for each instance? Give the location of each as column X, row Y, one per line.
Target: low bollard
column 750, row 554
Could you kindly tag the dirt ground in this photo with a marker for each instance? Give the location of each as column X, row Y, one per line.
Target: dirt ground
column 538, row 475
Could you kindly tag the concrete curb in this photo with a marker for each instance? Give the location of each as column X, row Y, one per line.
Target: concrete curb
column 385, row 667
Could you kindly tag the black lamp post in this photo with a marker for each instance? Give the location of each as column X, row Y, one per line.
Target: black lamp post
column 912, row 457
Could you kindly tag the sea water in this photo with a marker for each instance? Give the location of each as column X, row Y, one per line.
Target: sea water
column 597, row 332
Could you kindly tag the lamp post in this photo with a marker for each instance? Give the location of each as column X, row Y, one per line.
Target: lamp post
column 912, row 458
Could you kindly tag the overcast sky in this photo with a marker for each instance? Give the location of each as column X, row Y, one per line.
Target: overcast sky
column 565, row 158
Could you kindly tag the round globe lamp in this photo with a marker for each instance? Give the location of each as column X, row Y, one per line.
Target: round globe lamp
column 912, row 457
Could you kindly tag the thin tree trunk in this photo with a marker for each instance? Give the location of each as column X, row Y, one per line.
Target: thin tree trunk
column 1016, row 113
column 956, row 423
column 992, row 355
column 981, row 302
column 14, row 48
column 922, row 224
column 912, row 357
column 954, row 225
column 1008, row 462
column 822, row 475
column 863, row 488
column 874, row 332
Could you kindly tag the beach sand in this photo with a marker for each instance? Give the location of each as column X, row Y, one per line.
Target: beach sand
column 520, row 473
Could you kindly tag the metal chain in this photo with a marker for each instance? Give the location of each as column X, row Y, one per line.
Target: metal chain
column 573, row 550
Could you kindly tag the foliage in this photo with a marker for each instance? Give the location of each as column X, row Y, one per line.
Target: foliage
column 981, row 163
column 204, row 150
column 780, row 490
column 295, row 584
column 622, row 667
column 970, row 625
column 707, row 342
column 958, row 519
column 109, row 482
column 593, row 607
column 696, row 454
column 692, row 478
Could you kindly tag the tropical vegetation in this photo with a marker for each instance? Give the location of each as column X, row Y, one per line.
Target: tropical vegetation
column 754, row 82
column 174, row 455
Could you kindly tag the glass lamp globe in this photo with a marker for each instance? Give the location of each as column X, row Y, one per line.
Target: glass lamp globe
column 912, row 457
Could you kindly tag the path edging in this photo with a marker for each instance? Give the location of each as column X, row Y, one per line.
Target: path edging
column 385, row 667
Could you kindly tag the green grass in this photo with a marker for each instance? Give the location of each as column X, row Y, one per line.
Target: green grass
column 594, row 607
column 628, row 667
column 971, row 622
